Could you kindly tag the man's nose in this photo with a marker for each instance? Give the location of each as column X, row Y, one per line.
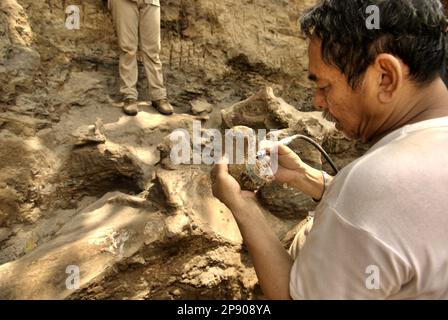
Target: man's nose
column 319, row 101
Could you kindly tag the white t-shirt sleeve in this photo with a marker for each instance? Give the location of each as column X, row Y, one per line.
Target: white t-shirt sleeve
column 342, row 261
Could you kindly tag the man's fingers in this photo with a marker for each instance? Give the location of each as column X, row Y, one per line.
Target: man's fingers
column 279, row 148
column 220, row 167
column 223, row 164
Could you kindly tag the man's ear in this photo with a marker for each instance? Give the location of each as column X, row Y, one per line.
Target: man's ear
column 389, row 71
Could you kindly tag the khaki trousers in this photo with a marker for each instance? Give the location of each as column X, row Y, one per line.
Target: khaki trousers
column 138, row 25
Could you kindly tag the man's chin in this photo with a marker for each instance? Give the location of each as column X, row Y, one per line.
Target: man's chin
column 339, row 127
column 347, row 134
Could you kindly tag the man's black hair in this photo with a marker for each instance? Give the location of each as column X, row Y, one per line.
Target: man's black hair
column 413, row 30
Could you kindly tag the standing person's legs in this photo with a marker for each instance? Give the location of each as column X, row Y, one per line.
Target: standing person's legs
column 125, row 14
column 150, row 47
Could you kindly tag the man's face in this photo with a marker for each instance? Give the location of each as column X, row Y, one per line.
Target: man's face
column 341, row 104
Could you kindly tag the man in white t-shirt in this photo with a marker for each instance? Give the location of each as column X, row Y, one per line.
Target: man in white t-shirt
column 380, row 230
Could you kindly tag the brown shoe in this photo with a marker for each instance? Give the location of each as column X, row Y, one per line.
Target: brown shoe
column 130, row 107
column 163, row 106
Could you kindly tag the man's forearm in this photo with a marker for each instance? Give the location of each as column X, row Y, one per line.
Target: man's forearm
column 272, row 262
column 309, row 181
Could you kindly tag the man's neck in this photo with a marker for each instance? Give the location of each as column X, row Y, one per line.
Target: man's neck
column 430, row 103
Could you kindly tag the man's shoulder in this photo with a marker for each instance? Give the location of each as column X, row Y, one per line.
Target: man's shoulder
column 405, row 177
column 405, row 158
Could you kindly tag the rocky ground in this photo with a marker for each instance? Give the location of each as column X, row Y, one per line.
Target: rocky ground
column 83, row 185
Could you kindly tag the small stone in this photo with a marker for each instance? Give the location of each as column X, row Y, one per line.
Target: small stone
column 201, row 107
column 138, row 260
column 171, row 280
column 90, row 134
column 176, row 292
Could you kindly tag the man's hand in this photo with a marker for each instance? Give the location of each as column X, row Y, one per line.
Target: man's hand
column 289, row 164
column 272, row 263
column 293, row 171
column 226, row 188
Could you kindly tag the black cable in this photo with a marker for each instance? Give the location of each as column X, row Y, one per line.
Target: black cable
column 322, row 151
